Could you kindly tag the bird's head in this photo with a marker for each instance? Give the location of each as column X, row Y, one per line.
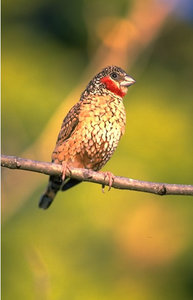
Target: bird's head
column 111, row 79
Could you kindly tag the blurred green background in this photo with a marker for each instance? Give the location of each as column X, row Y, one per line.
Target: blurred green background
column 89, row 245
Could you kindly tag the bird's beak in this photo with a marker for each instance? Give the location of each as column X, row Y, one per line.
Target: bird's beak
column 127, row 81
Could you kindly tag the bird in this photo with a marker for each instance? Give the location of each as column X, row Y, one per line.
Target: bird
column 91, row 130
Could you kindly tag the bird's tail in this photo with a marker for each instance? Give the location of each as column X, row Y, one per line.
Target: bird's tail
column 55, row 184
column 51, row 191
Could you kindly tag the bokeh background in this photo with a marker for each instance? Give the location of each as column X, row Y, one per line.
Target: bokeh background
column 89, row 245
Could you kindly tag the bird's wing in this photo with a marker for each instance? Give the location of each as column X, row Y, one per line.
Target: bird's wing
column 69, row 124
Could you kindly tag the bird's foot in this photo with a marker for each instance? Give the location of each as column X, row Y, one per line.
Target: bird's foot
column 111, row 178
column 65, row 168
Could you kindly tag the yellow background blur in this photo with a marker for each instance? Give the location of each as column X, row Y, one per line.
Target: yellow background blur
column 89, row 245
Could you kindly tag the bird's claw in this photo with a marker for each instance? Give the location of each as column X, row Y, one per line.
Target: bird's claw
column 111, row 178
column 65, row 168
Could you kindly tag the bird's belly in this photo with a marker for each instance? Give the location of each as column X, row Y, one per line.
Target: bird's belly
column 92, row 144
column 99, row 143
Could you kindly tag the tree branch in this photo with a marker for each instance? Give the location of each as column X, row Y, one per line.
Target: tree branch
column 14, row 162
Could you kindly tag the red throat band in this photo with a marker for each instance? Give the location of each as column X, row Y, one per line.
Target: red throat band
column 111, row 86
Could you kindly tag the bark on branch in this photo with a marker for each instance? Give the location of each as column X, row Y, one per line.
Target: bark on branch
column 14, row 162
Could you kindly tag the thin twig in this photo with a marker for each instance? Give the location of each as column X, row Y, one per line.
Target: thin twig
column 14, row 162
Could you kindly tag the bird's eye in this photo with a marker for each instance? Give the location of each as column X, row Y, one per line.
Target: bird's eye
column 114, row 75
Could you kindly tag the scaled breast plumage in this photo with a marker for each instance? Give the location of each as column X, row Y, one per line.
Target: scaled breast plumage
column 90, row 132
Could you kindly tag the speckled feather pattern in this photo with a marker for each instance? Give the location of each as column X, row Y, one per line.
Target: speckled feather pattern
column 91, row 131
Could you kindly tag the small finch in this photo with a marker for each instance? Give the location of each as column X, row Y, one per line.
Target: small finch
column 91, row 130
